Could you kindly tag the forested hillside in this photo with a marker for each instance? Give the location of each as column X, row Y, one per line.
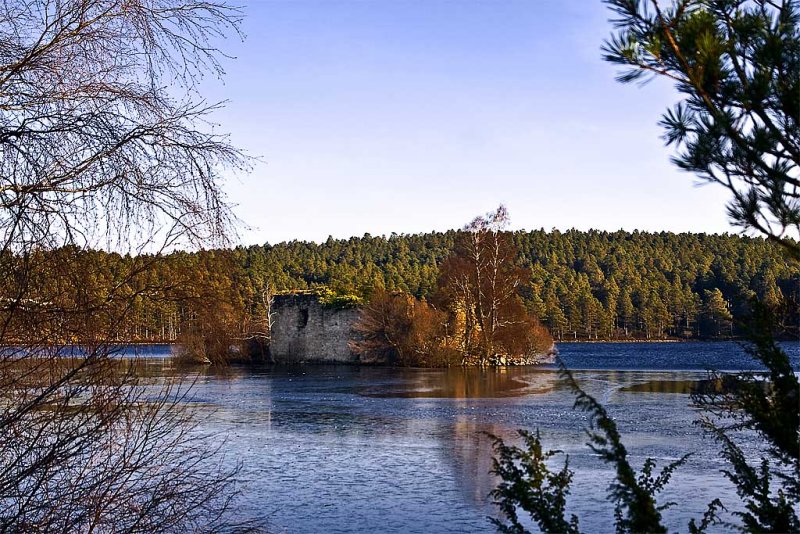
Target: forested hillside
column 584, row 285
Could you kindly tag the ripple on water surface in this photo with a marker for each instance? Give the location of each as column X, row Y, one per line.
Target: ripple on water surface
column 349, row 449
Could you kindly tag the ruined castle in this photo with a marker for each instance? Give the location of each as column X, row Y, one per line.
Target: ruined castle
column 305, row 330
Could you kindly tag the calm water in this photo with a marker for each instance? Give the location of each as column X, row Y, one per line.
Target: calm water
column 349, row 449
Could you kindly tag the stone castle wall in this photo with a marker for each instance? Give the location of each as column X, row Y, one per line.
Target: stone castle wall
column 303, row 330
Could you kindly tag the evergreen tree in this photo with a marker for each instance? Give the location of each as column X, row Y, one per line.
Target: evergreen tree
column 736, row 64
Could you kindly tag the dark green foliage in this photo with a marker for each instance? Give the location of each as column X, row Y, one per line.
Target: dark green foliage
column 770, row 490
column 710, row 517
column 716, row 318
column 583, row 285
column 775, row 410
column 736, row 66
column 529, row 484
column 766, row 510
column 634, row 497
column 769, row 405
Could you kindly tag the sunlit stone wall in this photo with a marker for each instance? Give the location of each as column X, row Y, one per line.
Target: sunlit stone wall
column 305, row 331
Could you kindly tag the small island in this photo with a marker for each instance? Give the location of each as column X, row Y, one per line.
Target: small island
column 307, row 330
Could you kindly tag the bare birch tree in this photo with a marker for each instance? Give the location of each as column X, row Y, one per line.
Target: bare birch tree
column 479, row 284
column 103, row 141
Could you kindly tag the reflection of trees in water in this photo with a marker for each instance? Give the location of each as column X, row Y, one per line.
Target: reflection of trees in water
column 170, row 368
column 469, row 383
column 606, row 383
column 468, row 451
column 665, row 386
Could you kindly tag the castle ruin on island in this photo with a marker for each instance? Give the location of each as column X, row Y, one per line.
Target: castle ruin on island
column 305, row 330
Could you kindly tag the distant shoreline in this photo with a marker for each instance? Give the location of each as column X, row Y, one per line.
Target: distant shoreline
column 646, row 340
column 733, row 340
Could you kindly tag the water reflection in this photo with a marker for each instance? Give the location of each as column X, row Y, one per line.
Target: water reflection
column 520, row 382
column 468, row 450
column 151, row 367
column 684, row 387
column 460, row 383
column 337, row 449
column 455, row 383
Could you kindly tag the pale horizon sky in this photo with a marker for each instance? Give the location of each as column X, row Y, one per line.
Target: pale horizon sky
column 411, row 116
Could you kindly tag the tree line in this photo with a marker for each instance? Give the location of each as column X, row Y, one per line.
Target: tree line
column 590, row 285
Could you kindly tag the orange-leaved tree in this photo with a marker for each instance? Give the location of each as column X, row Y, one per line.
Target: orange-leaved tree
column 479, row 286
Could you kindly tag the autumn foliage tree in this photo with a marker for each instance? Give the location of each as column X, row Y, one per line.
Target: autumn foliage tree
column 395, row 327
column 220, row 314
column 476, row 316
column 479, row 286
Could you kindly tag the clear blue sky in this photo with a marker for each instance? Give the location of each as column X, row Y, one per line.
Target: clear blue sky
column 406, row 116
